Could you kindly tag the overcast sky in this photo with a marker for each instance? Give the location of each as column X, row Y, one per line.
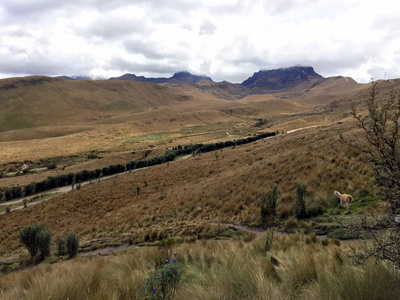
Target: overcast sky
column 224, row 39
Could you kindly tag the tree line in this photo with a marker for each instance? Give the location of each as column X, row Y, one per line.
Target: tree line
column 52, row 182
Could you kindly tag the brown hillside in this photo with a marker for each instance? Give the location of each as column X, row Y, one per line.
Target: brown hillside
column 42, row 101
column 223, row 186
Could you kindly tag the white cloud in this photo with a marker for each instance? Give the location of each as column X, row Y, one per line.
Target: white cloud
column 227, row 40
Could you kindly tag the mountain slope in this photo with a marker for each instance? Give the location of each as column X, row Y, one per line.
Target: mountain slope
column 279, row 80
column 178, row 78
column 40, row 101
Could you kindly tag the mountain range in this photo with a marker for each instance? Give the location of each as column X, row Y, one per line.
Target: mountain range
column 263, row 81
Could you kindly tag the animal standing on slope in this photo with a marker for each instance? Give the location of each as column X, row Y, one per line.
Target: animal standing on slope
column 345, row 199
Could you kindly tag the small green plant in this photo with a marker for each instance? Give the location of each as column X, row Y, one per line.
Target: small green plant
column 299, row 205
column 138, row 190
column 72, row 244
column 8, row 209
column 145, row 183
column 78, row 186
column 25, row 203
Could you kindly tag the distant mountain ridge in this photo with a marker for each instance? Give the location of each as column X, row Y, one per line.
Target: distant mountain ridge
column 282, row 79
column 293, row 80
column 183, row 77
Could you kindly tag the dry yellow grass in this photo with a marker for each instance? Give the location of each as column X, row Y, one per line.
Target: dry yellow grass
column 213, row 270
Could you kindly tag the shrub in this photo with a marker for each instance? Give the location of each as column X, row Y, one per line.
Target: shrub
column 36, row 239
column 61, row 249
column 16, row 192
column 269, row 203
column 42, row 240
column 8, row 209
column 8, row 194
column 162, row 282
column 29, row 189
column 315, row 209
column 299, row 205
column 1, row 194
column 344, row 234
column 72, row 244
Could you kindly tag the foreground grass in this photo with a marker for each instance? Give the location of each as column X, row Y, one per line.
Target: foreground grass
column 301, row 268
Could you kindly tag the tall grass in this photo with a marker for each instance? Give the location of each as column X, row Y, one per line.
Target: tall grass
column 214, row 270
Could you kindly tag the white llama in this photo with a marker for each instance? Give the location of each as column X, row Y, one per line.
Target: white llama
column 345, row 199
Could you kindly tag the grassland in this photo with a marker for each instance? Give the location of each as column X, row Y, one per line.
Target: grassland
column 297, row 267
column 186, row 199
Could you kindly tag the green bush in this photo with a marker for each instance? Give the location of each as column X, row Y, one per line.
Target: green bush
column 299, row 205
column 61, row 249
column 315, row 209
column 344, row 234
column 8, row 209
column 269, row 203
column 36, row 239
column 72, row 244
column 325, row 228
column 162, row 282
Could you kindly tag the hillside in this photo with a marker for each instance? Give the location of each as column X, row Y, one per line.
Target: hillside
column 215, row 187
column 292, row 80
column 42, row 101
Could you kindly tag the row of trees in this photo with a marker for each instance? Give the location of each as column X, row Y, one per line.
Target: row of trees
column 52, row 182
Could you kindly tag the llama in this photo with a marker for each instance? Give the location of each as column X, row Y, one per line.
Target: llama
column 345, row 199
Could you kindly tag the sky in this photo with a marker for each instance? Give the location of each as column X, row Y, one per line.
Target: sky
column 224, row 39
